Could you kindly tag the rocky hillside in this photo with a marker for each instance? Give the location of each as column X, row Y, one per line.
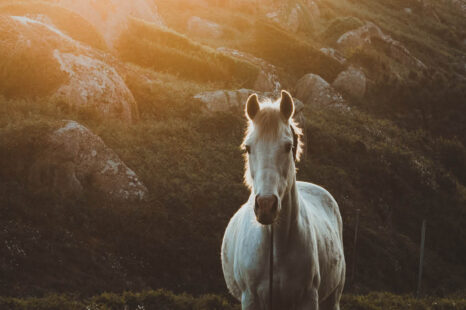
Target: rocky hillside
column 120, row 126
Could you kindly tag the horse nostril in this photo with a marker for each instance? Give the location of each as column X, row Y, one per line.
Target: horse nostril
column 268, row 203
column 275, row 204
column 256, row 204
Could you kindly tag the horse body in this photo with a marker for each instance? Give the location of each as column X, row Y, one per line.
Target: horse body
column 309, row 267
column 308, row 262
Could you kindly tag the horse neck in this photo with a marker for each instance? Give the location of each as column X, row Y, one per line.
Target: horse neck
column 287, row 224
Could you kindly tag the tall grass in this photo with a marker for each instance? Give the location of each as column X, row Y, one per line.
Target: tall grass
column 166, row 300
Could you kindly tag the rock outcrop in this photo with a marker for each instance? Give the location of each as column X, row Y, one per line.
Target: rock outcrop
column 333, row 53
column 363, row 37
column 297, row 16
column 223, row 100
column 75, row 162
column 111, row 17
column 459, row 5
column 267, row 79
column 95, row 83
column 198, row 27
column 351, row 82
column 312, row 89
column 408, row 11
column 39, row 55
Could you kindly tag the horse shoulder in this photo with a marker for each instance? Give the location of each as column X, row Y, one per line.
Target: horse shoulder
column 233, row 230
column 320, row 202
column 238, row 253
column 229, row 252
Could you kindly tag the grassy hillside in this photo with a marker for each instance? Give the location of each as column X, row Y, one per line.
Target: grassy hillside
column 164, row 50
column 398, row 155
column 195, row 181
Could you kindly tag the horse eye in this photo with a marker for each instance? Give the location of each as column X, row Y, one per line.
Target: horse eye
column 288, row 147
column 248, row 148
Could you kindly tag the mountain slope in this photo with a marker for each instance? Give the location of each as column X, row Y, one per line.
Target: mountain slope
column 395, row 152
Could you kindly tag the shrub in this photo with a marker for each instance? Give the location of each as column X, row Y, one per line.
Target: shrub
column 53, row 302
column 166, row 300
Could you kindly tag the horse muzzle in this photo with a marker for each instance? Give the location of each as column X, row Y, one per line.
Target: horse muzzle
column 266, row 209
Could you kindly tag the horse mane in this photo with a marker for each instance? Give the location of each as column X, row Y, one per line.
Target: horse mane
column 267, row 122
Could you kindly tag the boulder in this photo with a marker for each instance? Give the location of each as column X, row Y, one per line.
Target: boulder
column 93, row 83
column 111, row 17
column 295, row 17
column 223, row 100
column 352, row 82
column 47, row 63
column 333, row 53
column 408, row 11
column 362, row 37
column 357, row 39
column 459, row 6
column 311, row 89
column 267, row 79
column 75, row 161
column 298, row 115
column 292, row 21
column 198, row 27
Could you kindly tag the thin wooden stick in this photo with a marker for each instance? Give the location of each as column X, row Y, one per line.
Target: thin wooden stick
column 421, row 258
column 271, row 269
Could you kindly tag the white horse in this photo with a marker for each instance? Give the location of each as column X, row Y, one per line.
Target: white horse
column 308, row 259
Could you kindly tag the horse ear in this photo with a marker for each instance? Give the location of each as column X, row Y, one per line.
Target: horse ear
column 252, row 106
column 286, row 105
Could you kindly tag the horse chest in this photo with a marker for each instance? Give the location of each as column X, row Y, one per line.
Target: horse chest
column 291, row 282
column 293, row 273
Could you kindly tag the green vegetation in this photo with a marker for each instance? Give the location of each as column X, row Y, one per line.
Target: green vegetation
column 384, row 301
column 288, row 51
column 163, row 50
column 160, row 299
column 165, row 300
column 435, row 42
column 394, row 176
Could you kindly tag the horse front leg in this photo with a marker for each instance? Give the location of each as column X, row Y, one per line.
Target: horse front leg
column 249, row 301
column 311, row 301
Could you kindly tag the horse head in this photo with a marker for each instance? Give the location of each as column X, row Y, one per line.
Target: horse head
column 272, row 144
